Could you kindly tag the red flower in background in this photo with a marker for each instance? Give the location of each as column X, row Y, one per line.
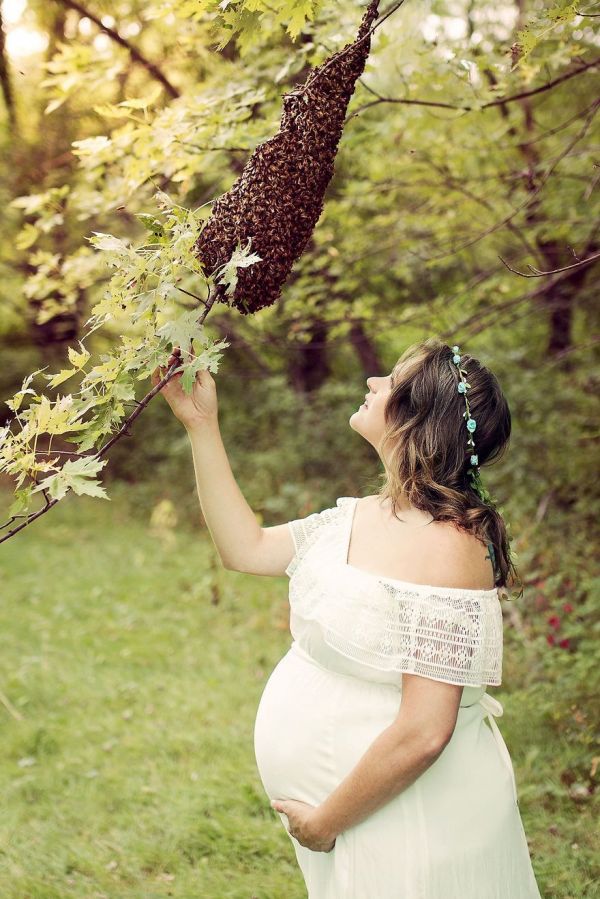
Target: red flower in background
column 564, row 644
column 554, row 621
column 567, row 607
column 550, row 639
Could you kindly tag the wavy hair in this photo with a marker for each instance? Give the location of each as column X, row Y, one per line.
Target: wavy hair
column 427, row 459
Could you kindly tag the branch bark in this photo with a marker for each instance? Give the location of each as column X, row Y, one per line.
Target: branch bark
column 536, row 273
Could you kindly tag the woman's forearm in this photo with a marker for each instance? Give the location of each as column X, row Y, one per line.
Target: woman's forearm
column 232, row 523
column 390, row 765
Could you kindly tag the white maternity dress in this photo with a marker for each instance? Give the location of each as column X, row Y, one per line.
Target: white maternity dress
column 456, row 832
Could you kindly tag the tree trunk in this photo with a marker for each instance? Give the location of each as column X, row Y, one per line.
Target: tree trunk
column 561, row 298
column 309, row 362
column 5, row 82
column 365, row 350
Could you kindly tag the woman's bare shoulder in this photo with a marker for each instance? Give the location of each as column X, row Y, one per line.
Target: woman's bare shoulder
column 462, row 552
column 455, row 556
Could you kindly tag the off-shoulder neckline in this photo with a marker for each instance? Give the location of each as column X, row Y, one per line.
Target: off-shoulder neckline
column 491, row 592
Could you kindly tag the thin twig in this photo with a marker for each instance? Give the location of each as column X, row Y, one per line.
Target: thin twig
column 537, row 273
column 193, row 295
column 482, row 317
column 531, row 197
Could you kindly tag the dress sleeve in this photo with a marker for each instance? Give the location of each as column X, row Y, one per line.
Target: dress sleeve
column 305, row 531
column 456, row 638
column 444, row 634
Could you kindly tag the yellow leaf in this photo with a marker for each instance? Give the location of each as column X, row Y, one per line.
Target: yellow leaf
column 27, row 237
column 61, row 376
column 43, row 413
column 142, row 102
column 54, row 104
column 78, row 359
column 110, row 112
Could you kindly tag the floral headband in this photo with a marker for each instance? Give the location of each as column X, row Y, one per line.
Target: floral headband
column 463, row 386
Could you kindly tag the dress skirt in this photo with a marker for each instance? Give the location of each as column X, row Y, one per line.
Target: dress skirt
column 455, row 833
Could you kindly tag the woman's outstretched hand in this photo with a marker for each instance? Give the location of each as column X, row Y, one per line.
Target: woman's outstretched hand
column 200, row 407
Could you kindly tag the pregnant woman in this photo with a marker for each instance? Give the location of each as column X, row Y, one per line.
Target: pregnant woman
column 375, row 737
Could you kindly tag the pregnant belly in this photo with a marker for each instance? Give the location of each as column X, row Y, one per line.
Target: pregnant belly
column 312, row 726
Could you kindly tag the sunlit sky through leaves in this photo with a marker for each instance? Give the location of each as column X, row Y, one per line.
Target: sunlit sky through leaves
column 22, row 40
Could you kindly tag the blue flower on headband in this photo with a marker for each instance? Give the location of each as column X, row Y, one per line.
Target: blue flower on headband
column 456, row 359
column 455, row 349
column 474, row 460
column 462, row 388
column 471, row 424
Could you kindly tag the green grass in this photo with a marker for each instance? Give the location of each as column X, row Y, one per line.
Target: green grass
column 132, row 668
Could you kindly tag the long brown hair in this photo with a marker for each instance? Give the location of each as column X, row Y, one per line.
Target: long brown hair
column 427, row 459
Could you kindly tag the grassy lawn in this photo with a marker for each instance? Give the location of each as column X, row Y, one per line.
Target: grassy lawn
column 132, row 667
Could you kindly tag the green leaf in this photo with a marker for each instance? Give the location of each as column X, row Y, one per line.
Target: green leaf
column 189, row 372
column 240, row 258
column 182, row 330
column 59, row 377
column 207, row 359
column 21, row 501
column 151, row 224
column 77, row 475
column 143, row 102
column 17, row 399
column 107, row 242
column 27, row 237
column 78, row 359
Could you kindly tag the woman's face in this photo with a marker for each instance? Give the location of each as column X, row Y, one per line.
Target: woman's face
column 369, row 419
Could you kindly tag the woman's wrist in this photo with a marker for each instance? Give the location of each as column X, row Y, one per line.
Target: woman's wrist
column 324, row 827
column 200, row 426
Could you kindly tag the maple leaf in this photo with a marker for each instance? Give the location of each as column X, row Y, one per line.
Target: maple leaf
column 182, row 330
column 77, row 475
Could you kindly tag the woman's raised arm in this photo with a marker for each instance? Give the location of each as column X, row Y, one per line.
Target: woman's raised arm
column 242, row 544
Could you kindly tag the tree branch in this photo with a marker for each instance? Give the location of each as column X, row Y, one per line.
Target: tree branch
column 499, row 101
column 122, row 432
column 532, row 196
column 536, row 273
column 135, row 54
column 544, row 87
column 481, row 318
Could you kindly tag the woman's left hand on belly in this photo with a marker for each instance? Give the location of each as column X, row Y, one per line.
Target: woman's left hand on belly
column 304, row 824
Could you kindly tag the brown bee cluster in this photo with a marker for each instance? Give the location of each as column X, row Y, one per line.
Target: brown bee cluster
column 278, row 198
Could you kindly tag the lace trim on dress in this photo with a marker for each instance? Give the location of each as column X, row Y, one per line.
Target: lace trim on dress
column 306, row 530
column 448, row 634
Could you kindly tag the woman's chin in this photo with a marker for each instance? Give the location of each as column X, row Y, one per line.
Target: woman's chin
column 355, row 418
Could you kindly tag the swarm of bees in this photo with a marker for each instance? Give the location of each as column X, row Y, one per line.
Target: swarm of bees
column 278, row 199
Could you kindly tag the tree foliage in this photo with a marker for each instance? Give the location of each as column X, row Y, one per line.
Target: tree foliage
column 459, row 147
